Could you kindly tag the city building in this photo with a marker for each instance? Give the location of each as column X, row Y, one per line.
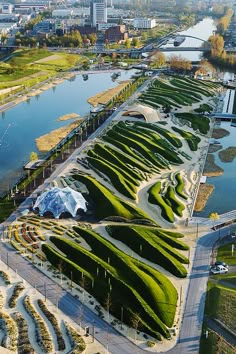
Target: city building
column 6, row 8
column 116, row 34
column 144, row 23
column 98, row 11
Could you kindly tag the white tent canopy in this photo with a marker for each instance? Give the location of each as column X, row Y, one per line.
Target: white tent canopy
column 60, row 200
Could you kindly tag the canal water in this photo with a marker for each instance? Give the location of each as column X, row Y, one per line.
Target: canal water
column 223, row 197
column 22, row 124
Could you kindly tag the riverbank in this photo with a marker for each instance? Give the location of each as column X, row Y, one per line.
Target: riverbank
column 105, row 96
column 48, row 141
column 204, row 193
column 34, row 91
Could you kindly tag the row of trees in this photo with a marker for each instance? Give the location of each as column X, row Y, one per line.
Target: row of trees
column 73, row 39
column 218, row 55
column 224, row 21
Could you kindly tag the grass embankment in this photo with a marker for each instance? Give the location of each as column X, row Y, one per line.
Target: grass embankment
column 228, row 154
column 148, row 149
column 107, row 270
column 220, row 304
column 156, row 245
column 224, row 254
column 197, row 122
column 210, row 168
column 176, row 92
column 191, row 139
column 112, row 206
column 204, row 193
column 167, row 200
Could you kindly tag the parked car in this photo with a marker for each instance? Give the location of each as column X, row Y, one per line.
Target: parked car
column 219, row 270
column 220, row 263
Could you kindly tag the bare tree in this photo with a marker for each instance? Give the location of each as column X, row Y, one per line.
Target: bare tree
column 108, row 304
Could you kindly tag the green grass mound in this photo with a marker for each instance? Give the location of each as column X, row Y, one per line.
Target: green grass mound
column 154, row 197
column 195, row 121
column 122, row 184
column 173, row 202
column 191, row 139
column 106, row 204
column 130, row 284
column 179, row 188
column 153, row 244
column 170, row 137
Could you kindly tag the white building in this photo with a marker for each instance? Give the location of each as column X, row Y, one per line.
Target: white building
column 6, row 8
column 104, row 26
column 98, row 11
column 144, row 23
column 62, row 13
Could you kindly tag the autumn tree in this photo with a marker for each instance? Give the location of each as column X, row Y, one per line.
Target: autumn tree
column 178, row 63
column 33, row 156
column 217, row 45
column 158, row 59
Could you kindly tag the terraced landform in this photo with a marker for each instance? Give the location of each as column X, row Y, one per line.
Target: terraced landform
column 108, row 270
column 133, row 174
column 176, row 92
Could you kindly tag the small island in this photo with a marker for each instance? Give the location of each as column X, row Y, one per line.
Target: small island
column 228, row 154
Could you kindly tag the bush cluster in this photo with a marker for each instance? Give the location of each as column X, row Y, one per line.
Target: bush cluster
column 43, row 337
column 50, row 316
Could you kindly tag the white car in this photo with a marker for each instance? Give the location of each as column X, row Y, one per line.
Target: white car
column 219, row 270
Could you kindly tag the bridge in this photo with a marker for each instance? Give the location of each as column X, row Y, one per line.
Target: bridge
column 223, row 116
column 194, row 37
column 184, row 49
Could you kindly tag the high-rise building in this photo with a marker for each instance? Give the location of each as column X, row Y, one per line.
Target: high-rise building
column 98, row 11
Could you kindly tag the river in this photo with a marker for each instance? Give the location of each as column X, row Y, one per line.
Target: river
column 22, row 124
column 203, row 30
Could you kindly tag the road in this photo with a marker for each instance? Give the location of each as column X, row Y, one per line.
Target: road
column 191, row 326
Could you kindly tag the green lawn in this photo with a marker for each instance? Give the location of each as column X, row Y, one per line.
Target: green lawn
column 153, row 244
column 224, row 254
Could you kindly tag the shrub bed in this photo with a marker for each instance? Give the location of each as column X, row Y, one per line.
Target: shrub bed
column 16, row 292
column 43, row 338
column 23, row 343
column 77, row 342
column 52, row 319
